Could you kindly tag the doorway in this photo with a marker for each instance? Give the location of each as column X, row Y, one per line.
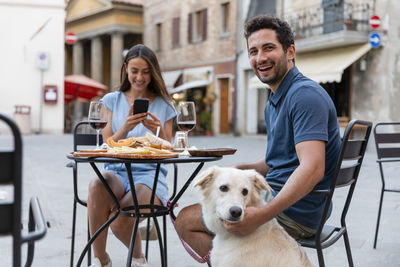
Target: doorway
column 223, row 105
column 340, row 92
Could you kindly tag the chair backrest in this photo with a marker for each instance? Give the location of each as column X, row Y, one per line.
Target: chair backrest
column 84, row 139
column 387, row 139
column 348, row 166
column 11, row 174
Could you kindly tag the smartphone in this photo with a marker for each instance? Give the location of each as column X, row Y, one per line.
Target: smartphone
column 140, row 105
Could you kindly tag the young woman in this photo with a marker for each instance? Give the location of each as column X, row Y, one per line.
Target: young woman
column 140, row 78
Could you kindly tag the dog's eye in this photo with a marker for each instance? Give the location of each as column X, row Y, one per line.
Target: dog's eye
column 245, row 192
column 223, row 188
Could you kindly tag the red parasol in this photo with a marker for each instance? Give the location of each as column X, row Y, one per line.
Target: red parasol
column 80, row 87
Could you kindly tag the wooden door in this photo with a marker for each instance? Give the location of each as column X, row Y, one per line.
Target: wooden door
column 223, row 105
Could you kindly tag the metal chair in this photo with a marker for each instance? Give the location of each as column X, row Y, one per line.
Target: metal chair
column 387, row 141
column 10, row 210
column 80, row 138
column 345, row 175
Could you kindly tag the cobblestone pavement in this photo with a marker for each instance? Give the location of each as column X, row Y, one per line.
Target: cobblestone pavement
column 45, row 175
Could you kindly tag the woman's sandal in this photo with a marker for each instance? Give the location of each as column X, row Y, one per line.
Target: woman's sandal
column 139, row 262
column 97, row 263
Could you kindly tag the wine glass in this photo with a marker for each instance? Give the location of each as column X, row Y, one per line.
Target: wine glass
column 97, row 118
column 186, row 120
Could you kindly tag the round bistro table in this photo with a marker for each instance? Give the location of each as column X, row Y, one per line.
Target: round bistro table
column 135, row 211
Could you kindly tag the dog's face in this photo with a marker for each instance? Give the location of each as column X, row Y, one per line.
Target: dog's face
column 228, row 191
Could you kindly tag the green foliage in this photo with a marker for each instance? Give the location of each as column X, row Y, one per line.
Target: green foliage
column 205, row 120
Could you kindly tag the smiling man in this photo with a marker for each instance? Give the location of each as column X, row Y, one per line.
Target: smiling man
column 303, row 141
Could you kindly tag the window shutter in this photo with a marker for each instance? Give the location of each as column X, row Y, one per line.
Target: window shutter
column 175, row 31
column 204, row 33
column 327, row 3
column 190, row 32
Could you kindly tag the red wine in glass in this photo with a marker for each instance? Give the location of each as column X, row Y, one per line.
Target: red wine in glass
column 97, row 124
column 186, row 120
column 97, row 118
column 186, row 125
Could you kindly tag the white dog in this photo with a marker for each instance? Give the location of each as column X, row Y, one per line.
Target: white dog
column 225, row 194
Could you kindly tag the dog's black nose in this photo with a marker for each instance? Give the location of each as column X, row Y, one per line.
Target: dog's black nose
column 235, row 211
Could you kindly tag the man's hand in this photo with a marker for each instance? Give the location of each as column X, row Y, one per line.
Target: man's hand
column 251, row 221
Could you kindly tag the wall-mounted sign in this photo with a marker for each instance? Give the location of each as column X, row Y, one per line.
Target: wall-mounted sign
column 374, row 39
column 70, row 38
column 50, row 94
column 375, row 21
column 42, row 61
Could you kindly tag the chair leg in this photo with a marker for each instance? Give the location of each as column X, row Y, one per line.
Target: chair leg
column 379, row 218
column 73, row 234
column 320, row 257
column 348, row 250
column 89, row 252
column 147, row 238
column 165, row 240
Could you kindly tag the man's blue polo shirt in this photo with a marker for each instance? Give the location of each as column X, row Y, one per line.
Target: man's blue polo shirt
column 300, row 110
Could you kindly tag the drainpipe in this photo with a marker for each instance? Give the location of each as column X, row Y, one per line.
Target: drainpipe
column 239, row 20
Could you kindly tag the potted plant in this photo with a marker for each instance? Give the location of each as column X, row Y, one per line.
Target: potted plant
column 205, row 122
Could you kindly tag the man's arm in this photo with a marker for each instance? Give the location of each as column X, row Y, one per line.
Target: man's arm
column 311, row 156
column 260, row 166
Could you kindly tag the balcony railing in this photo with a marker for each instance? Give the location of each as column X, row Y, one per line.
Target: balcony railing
column 319, row 19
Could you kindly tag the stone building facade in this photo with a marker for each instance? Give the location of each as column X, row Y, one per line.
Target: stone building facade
column 195, row 42
column 104, row 30
column 332, row 48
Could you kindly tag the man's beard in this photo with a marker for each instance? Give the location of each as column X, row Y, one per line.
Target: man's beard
column 280, row 69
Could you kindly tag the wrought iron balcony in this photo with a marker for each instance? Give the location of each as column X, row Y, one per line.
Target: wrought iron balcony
column 324, row 26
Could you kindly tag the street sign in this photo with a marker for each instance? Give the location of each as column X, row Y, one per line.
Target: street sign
column 375, row 21
column 42, row 61
column 70, row 38
column 374, row 39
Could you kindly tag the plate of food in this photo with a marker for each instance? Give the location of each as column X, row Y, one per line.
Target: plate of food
column 149, row 147
column 212, row 152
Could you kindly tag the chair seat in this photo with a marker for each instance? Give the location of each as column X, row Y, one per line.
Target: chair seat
column 328, row 237
column 388, row 160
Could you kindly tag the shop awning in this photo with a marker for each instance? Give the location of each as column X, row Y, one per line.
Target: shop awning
column 170, row 78
column 328, row 65
column 80, row 87
column 189, row 85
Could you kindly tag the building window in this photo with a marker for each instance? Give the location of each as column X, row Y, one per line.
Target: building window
column 158, row 37
column 175, row 31
column 197, row 26
column 225, row 9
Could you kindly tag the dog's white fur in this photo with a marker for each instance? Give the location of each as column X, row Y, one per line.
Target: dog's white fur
column 269, row 245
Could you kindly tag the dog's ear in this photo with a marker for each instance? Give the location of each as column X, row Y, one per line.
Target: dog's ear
column 260, row 182
column 205, row 177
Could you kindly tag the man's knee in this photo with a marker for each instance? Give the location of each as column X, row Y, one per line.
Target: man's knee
column 186, row 220
column 181, row 221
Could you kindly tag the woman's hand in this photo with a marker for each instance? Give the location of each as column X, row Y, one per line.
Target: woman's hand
column 132, row 120
column 152, row 124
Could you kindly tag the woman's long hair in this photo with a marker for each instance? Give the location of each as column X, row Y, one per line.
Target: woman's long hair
column 156, row 85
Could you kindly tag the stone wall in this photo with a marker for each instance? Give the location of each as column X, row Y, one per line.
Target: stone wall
column 376, row 91
column 216, row 48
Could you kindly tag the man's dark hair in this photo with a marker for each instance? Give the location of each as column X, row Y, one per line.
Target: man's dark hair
column 283, row 31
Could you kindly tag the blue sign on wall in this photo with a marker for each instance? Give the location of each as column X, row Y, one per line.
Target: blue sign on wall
column 374, row 39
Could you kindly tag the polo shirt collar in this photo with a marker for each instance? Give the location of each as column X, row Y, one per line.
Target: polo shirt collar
column 284, row 86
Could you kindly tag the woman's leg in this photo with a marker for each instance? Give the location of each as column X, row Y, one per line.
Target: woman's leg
column 99, row 207
column 122, row 226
